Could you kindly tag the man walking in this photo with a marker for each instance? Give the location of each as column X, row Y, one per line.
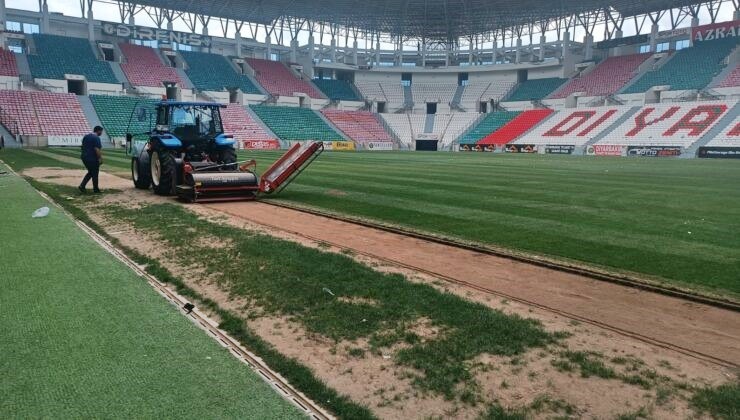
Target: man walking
column 92, row 158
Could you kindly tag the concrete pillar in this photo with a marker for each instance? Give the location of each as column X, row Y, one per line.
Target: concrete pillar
column 653, row 37
column 3, row 15
column 268, row 48
column 543, row 40
column 293, row 50
column 354, row 53
column 311, row 48
column 518, row 53
column 377, row 53
column 170, row 26
column 44, row 18
column 205, row 30
column 423, row 54
column 566, row 45
column 736, row 15
column 471, row 54
column 333, row 50
column 588, row 42
column 695, row 21
column 132, row 19
column 238, row 43
column 495, row 52
column 90, row 22
column 447, row 58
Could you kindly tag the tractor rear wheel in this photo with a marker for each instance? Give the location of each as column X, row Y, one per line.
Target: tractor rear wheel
column 141, row 176
column 163, row 172
column 227, row 156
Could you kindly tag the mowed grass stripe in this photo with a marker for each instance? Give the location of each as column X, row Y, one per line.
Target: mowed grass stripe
column 670, row 218
column 84, row 337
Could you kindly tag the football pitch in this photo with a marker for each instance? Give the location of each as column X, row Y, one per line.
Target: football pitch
column 672, row 220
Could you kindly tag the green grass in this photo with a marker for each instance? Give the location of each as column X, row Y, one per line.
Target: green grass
column 306, row 284
column 722, row 402
column 84, row 337
column 674, row 219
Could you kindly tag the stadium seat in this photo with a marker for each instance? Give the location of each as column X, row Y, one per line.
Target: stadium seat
column 574, row 126
column 239, row 123
column 689, row 68
column 476, row 92
column 59, row 55
column 277, row 79
column 490, row 123
column 360, row 126
column 732, row 79
column 295, row 124
column 607, row 78
column 144, row 68
column 516, row 127
column 115, row 113
column 535, row 89
column 214, row 72
column 729, row 137
column 337, row 90
column 382, row 92
column 42, row 113
column 677, row 124
column 8, row 65
column 433, row 92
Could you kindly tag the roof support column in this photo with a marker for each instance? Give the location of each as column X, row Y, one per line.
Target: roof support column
column 44, row 17
column 90, row 19
column 311, row 48
column 354, row 52
column 268, row 47
column 333, row 49
column 293, row 50
column 423, row 52
column 588, row 41
column 3, row 15
column 518, row 52
column 653, row 37
column 377, row 50
column 566, row 45
column 543, row 40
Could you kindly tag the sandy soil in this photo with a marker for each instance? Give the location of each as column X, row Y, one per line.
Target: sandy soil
column 374, row 380
column 695, row 327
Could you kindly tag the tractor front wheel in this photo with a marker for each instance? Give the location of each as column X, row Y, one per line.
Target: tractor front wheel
column 162, row 165
column 141, row 176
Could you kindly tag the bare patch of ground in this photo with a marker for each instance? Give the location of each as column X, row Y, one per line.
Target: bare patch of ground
column 370, row 376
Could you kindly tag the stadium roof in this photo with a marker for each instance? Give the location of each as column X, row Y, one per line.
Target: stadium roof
column 433, row 19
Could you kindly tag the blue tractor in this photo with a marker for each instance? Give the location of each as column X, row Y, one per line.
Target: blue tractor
column 185, row 136
column 186, row 153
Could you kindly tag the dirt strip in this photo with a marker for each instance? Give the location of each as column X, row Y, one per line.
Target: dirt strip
column 698, row 328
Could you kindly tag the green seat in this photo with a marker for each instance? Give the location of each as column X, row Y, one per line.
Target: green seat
column 214, row 72
column 337, row 90
column 115, row 113
column 59, row 55
column 535, row 89
column 296, row 124
column 690, row 68
column 488, row 125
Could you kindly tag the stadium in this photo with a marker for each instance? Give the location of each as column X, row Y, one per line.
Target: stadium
column 478, row 209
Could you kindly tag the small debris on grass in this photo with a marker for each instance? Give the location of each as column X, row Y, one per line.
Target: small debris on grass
column 42, row 212
column 328, row 291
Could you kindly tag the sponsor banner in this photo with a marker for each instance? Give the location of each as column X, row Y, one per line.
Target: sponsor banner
column 477, row 148
column 340, row 146
column 716, row 31
column 605, row 150
column 654, row 151
column 427, row 136
column 152, row 34
column 521, row 148
column 379, row 145
column 261, row 144
column 671, row 33
column 719, row 152
column 65, row 140
column 560, row 149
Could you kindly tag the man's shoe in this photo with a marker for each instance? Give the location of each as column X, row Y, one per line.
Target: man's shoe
column 82, row 189
column 97, row 192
